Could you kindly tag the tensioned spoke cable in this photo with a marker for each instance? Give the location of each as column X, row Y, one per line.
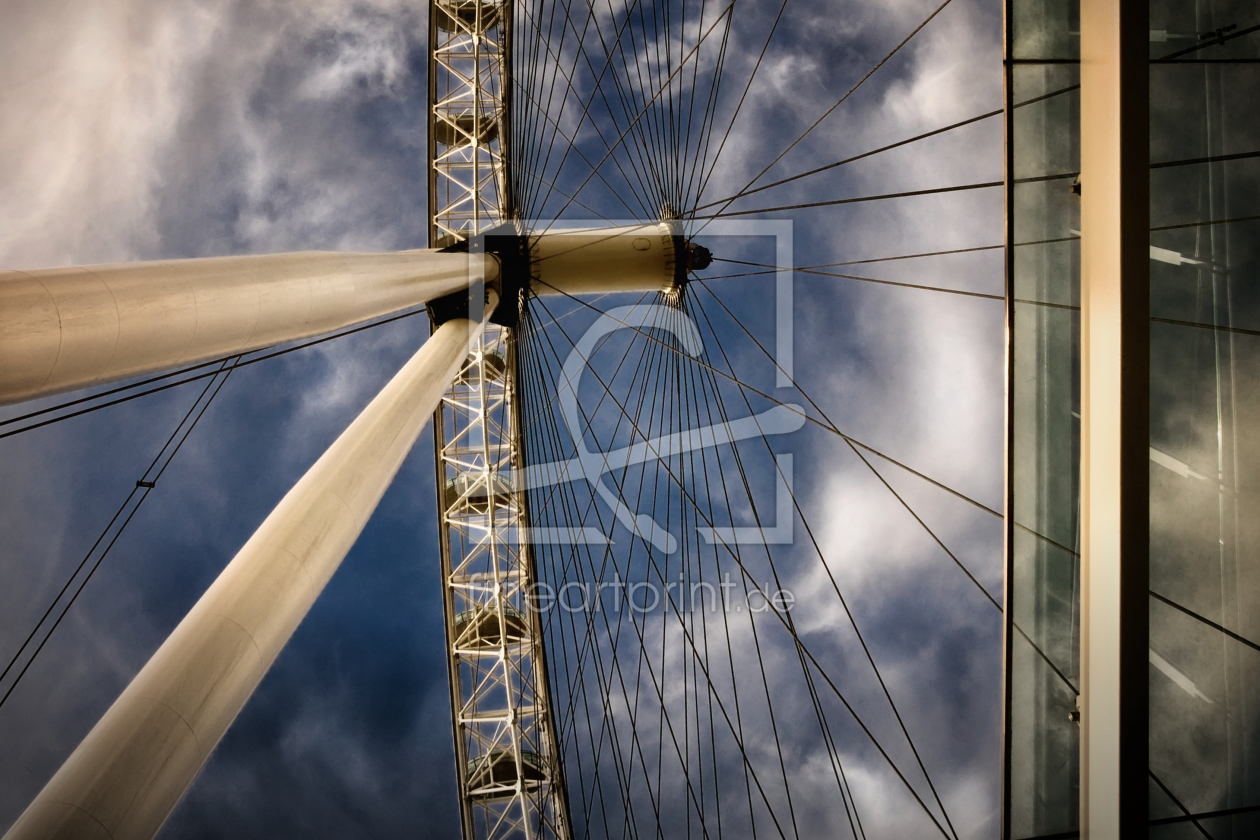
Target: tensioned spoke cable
column 712, row 165
column 916, row 138
column 691, row 642
column 862, row 262
column 559, row 570
column 618, row 758
column 701, row 153
column 819, row 169
column 841, row 100
column 854, row 444
column 597, row 90
column 552, row 433
column 545, row 111
column 571, row 143
column 646, row 134
column 665, row 721
column 586, row 108
column 706, row 387
column 919, row 286
column 835, row 584
column 665, row 104
column 682, row 363
column 638, row 631
column 648, row 157
column 552, row 186
column 724, row 610
column 693, row 570
column 857, row 200
column 811, row 270
column 677, row 107
column 901, row 500
column 799, row 643
column 525, row 66
column 909, row 256
column 623, row 686
column 564, row 14
column 123, row 389
column 638, row 117
column 650, row 128
column 824, row 423
column 1209, row 622
column 684, row 137
column 710, row 696
column 545, row 407
column 851, row 442
column 666, row 417
column 544, row 73
column 144, row 484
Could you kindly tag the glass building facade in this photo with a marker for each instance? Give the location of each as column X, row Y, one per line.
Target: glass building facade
column 1204, row 553
column 1043, row 310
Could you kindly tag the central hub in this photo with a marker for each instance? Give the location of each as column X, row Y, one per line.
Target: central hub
column 630, row 258
column 652, row 257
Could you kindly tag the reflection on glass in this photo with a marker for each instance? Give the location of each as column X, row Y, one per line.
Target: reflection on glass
column 1204, row 689
column 1043, row 569
column 1205, row 422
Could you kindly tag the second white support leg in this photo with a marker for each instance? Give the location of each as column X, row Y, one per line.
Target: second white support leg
column 131, row 770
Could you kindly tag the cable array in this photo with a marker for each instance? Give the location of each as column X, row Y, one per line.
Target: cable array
column 91, row 562
column 681, row 684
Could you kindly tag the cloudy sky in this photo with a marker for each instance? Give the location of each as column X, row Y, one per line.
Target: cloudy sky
column 145, row 130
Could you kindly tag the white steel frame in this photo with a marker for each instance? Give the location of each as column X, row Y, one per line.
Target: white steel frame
column 468, row 117
column 506, row 755
column 510, row 779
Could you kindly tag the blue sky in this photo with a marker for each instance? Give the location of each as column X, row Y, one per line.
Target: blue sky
column 136, row 130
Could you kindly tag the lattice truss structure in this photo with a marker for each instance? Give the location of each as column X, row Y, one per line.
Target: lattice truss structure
column 510, row 780
column 468, row 61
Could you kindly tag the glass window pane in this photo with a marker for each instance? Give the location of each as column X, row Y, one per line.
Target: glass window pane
column 1205, row 425
column 1043, row 563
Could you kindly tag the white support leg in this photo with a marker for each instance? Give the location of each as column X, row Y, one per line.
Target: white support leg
column 1115, row 418
column 131, row 770
column 67, row 328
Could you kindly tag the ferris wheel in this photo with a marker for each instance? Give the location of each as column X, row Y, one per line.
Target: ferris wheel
column 650, row 626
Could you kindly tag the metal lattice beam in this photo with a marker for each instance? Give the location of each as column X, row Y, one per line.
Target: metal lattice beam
column 510, row 781
column 507, row 761
column 468, row 120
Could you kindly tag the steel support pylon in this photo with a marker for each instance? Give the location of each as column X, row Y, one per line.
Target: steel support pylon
column 507, row 761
